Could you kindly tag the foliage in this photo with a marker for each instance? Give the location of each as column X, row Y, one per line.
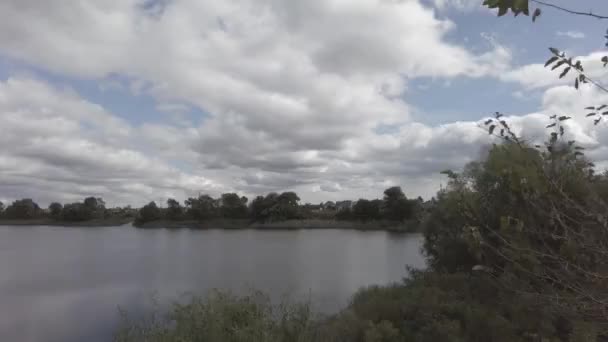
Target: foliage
column 23, row 209
column 396, row 206
column 534, row 221
column 55, row 209
column 202, row 208
column 275, row 207
column 233, row 206
column 90, row 208
column 174, row 210
column 149, row 212
column 365, row 210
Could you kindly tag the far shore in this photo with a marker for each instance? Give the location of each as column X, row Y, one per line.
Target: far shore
column 109, row 222
column 403, row 227
column 228, row 224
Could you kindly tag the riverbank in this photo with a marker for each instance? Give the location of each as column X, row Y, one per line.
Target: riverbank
column 106, row 222
column 404, row 227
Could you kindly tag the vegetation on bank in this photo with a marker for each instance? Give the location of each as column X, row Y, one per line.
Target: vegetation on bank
column 283, row 211
column 516, row 248
column 91, row 211
column 394, row 212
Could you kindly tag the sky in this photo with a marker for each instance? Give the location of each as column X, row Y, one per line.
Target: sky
column 141, row 100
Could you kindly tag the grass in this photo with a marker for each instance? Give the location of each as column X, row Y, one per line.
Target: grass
column 223, row 317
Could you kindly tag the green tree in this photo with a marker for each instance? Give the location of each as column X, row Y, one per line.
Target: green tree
column 202, row 208
column 233, row 206
column 366, row 210
column 275, row 207
column 395, row 205
column 94, row 206
column 148, row 213
column 174, row 210
column 23, row 209
column 55, row 209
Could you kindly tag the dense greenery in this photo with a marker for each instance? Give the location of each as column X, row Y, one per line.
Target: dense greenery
column 275, row 207
column 91, row 208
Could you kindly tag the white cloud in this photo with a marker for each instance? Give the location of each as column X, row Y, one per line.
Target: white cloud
column 295, row 92
column 571, row 34
column 462, row 5
column 58, row 146
column 538, row 76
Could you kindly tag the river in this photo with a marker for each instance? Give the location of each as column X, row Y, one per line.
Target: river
column 66, row 284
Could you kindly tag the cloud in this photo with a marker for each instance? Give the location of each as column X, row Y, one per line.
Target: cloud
column 307, row 96
column 571, row 34
column 461, row 5
column 57, row 146
column 536, row 75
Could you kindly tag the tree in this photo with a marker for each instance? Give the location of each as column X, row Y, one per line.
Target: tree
column 23, row 209
column 202, row 208
column 275, row 207
column 395, row 205
column 174, row 210
column 76, row 212
column 534, row 222
column 366, row 210
column 149, row 212
column 55, row 209
column 233, row 206
column 95, row 207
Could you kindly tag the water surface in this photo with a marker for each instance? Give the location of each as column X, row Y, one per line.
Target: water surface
column 66, row 284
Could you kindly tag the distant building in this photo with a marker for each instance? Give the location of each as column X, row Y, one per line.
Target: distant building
column 343, row 205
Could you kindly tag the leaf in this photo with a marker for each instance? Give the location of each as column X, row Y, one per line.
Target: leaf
column 551, row 125
column 605, row 60
column 564, row 118
column 552, row 116
column 571, row 142
column 602, row 107
column 590, row 108
column 488, row 122
column 591, row 114
column 551, row 60
column 578, row 153
column 605, row 113
column 558, row 64
column 537, row 146
column 502, row 132
column 561, row 130
column 536, row 14
column 554, row 51
column 596, row 121
column 491, row 129
column 576, row 83
column 502, row 11
column 579, row 148
column 564, row 72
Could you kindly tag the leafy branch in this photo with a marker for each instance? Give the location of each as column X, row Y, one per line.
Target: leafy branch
column 560, row 59
column 522, row 6
column 590, row 13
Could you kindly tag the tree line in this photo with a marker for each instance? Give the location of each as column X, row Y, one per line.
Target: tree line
column 89, row 209
column 395, row 206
